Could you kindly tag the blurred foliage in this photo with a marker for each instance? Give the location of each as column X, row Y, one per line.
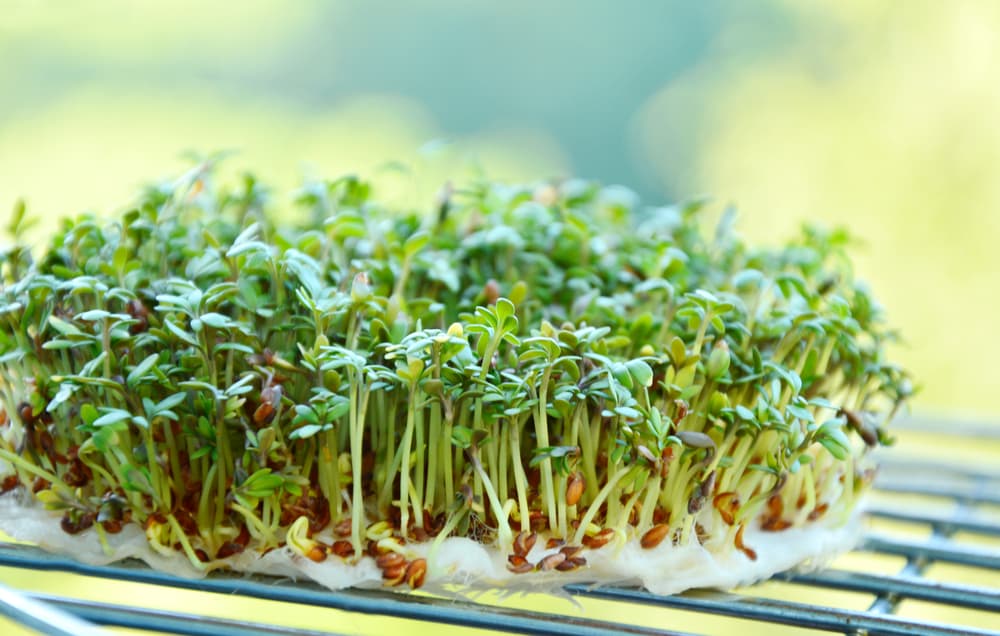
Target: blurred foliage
column 876, row 115
column 879, row 116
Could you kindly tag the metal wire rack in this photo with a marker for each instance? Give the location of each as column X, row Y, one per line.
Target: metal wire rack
column 927, row 513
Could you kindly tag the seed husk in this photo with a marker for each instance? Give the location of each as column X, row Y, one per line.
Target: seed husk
column 395, row 575
column 524, row 542
column 551, row 562
column 343, row 549
column 818, row 511
column 727, row 504
column 317, row 554
column 574, row 489
column 745, row 549
column 654, row 536
column 416, row 572
column 390, row 560
column 571, row 550
column 599, row 540
column 228, row 549
column 342, row 529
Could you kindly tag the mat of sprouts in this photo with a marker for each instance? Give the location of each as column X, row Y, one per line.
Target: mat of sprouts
column 512, row 386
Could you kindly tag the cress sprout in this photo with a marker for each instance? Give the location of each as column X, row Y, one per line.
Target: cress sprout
column 517, row 362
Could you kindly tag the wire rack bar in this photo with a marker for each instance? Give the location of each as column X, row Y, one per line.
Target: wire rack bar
column 415, row 607
column 784, row 612
column 898, row 585
column 953, row 522
column 934, row 550
column 161, row 621
column 957, row 492
column 41, row 617
column 923, row 468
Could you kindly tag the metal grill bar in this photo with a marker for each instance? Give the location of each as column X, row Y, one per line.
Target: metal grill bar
column 173, row 622
column 934, row 550
column 917, row 466
column 363, row 601
column 784, row 612
column 41, row 617
column 974, row 495
column 953, row 523
column 902, row 586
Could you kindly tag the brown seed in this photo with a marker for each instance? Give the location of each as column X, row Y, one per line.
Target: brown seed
column 551, row 562
column 554, row 542
column 390, row 560
column 10, row 482
column 112, row 526
column 567, row 565
column 492, row 291
column 394, row 575
column 264, row 413
column 571, row 550
column 574, row 489
column 516, row 560
column 26, row 412
column 818, row 512
column 745, row 549
column 539, row 521
column 775, row 524
column 317, row 554
column 39, row 485
column 343, row 548
column 579, row 561
column 726, row 503
column 599, row 540
column 633, row 515
column 701, row 533
column 654, row 536
column 416, row 572
column 524, row 542
column 521, row 567
column 660, row 516
column 343, row 529
column 228, row 549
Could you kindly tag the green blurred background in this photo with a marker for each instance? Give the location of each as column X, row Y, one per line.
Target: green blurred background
column 878, row 115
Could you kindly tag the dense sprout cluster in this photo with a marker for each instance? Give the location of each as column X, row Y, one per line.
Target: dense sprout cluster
column 516, row 362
